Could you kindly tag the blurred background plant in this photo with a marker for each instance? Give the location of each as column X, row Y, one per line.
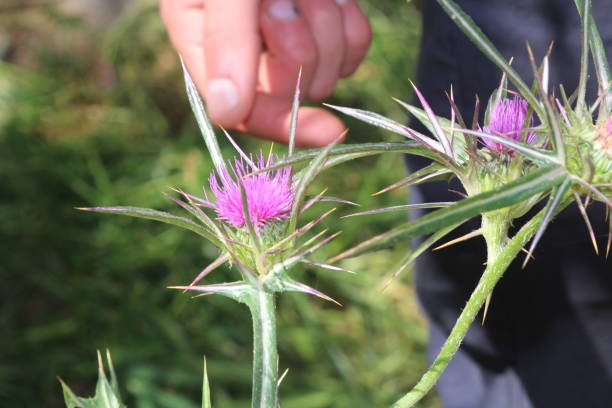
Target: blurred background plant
column 93, row 112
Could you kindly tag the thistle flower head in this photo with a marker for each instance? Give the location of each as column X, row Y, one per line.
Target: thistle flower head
column 508, row 120
column 269, row 194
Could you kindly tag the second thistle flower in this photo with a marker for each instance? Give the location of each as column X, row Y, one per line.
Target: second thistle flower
column 508, row 120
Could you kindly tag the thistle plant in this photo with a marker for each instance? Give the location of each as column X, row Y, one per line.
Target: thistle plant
column 536, row 145
column 252, row 217
column 533, row 147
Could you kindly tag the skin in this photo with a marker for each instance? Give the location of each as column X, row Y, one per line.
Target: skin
column 244, row 56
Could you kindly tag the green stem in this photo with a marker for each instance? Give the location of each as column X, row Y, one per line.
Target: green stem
column 493, row 272
column 265, row 354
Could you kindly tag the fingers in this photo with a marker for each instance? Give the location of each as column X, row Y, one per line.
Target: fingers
column 357, row 36
column 184, row 20
column 325, row 22
column 271, row 116
column 251, row 90
column 231, row 47
column 289, row 46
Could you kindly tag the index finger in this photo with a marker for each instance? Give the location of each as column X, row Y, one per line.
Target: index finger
column 232, row 46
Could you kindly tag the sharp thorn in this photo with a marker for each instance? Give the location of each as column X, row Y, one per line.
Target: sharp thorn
column 457, row 240
column 486, row 308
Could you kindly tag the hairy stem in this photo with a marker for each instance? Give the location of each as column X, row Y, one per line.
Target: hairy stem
column 265, row 354
column 493, row 272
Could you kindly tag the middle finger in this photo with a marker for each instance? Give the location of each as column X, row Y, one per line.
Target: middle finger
column 324, row 19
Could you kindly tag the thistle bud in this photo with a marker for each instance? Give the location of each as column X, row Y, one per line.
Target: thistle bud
column 508, row 120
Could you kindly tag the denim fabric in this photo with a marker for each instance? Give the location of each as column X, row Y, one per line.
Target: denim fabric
column 547, row 341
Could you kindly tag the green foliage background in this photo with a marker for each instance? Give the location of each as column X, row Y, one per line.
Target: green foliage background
column 92, row 116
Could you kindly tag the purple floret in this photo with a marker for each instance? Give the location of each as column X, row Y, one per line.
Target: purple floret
column 508, row 119
column 269, row 194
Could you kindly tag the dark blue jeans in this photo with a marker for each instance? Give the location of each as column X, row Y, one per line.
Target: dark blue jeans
column 547, row 341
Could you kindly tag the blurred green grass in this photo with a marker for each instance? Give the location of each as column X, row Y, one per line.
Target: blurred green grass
column 99, row 117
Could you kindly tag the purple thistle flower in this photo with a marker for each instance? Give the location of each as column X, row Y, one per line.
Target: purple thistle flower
column 507, row 119
column 269, row 194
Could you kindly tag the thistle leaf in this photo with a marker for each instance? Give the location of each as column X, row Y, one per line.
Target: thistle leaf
column 539, row 156
column 206, row 389
column 585, row 14
column 473, row 32
column 350, row 149
column 326, row 266
column 431, row 172
column 415, row 253
column 602, row 68
column 294, row 114
column 197, row 105
column 239, row 291
column 458, row 145
column 106, row 396
column 503, row 196
column 587, row 222
column 551, row 113
column 294, row 286
column 549, row 211
column 400, row 207
column 300, row 190
column 435, row 124
column 380, row 121
column 150, row 214
column 211, row 267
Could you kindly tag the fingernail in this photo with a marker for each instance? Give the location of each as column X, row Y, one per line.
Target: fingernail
column 341, row 2
column 221, row 96
column 282, row 10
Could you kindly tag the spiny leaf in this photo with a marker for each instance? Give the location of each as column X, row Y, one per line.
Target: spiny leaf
column 301, row 230
column 539, row 156
column 197, row 105
column 430, row 172
column 457, row 146
column 587, row 222
column 106, row 396
column 351, row 149
column 294, row 286
column 414, row 254
column 326, row 266
column 401, row 207
column 211, row 267
column 602, row 68
column 300, row 190
column 238, row 291
column 551, row 114
column 193, row 210
column 462, row 238
column 294, row 114
column 150, row 214
column 585, row 12
column 473, row 32
column 503, row 196
column 435, row 124
column 378, row 120
column 549, row 211
column 206, row 389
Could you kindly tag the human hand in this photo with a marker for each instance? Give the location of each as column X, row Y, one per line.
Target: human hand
column 244, row 56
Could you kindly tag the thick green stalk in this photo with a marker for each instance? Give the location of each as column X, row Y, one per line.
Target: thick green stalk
column 265, row 354
column 493, row 272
